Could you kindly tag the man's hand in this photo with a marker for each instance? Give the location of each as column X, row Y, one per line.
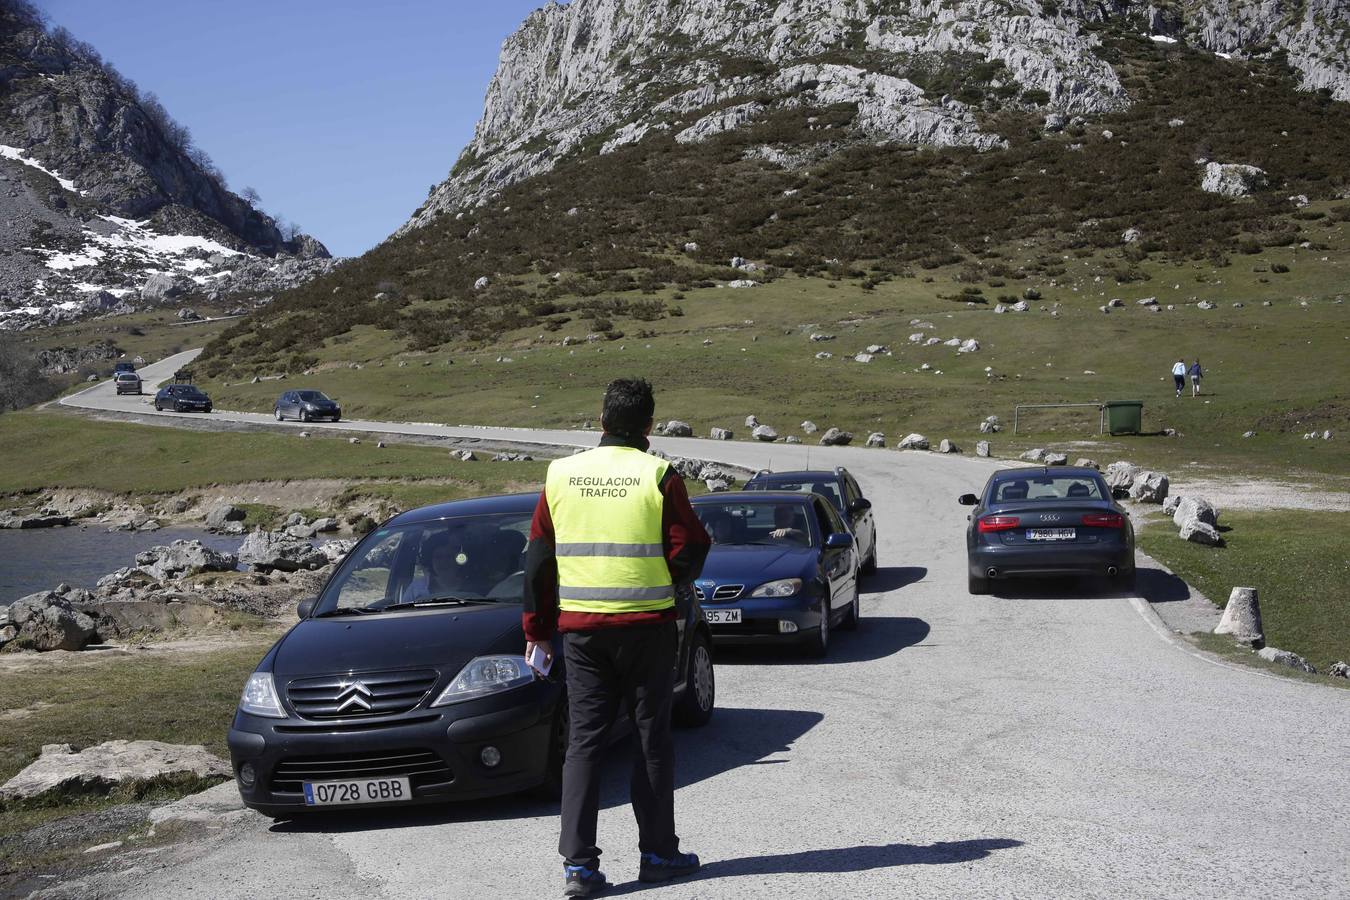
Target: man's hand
column 529, row 654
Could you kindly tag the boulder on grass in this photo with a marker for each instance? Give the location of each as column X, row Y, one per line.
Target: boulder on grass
column 676, row 428
column 96, row 770
column 1286, row 658
column 721, row 434
column 1052, row 458
column 1198, row 532
column 876, row 439
column 1036, row 455
column 1149, row 487
column 1194, row 508
column 946, row 446
column 764, row 433
column 1120, row 477
column 913, row 441
column 264, row 551
column 833, row 437
column 219, row 515
column 48, row 621
column 982, row 448
column 1242, row 617
column 183, row 558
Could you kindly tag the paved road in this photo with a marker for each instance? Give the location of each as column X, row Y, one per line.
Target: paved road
column 1045, row 743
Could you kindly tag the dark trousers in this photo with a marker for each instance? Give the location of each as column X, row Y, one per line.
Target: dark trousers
column 629, row 668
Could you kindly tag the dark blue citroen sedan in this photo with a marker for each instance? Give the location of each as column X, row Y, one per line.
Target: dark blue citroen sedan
column 783, row 568
column 404, row 681
column 1047, row 521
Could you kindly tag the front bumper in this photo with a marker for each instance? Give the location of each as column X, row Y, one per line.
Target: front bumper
column 1062, row 559
column 760, row 619
column 192, row 407
column 439, row 750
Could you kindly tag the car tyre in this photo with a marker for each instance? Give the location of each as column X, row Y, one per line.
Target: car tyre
column 696, row 707
column 277, row 412
column 818, row 645
column 869, row 566
column 304, row 416
column 979, row 585
column 158, row 408
column 337, row 418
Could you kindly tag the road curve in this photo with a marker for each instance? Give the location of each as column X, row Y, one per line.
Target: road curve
column 1048, row 742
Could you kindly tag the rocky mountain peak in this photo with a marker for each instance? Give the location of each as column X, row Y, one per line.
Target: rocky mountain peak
column 593, row 75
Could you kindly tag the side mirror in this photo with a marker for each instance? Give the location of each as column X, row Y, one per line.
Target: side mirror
column 839, row 540
column 967, row 499
column 305, row 607
column 862, row 504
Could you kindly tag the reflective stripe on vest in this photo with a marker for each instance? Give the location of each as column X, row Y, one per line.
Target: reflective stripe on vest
column 606, row 508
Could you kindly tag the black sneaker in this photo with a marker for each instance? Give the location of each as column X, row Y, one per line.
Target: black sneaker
column 660, row 868
column 581, row 881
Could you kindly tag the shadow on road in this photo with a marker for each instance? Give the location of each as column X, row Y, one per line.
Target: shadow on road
column 1157, row 586
column 844, row 859
column 892, row 578
column 877, row 637
column 734, row 738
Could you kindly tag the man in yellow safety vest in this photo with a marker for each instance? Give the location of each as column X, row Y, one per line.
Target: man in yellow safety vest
column 612, row 536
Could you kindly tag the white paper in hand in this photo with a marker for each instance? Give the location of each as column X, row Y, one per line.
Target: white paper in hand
column 539, row 660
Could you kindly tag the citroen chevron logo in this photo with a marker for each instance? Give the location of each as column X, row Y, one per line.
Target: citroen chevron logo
column 355, row 694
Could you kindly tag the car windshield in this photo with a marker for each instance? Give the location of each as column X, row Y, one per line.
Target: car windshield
column 467, row 558
column 1050, row 487
column 313, row 396
column 767, row 522
column 827, row 489
column 191, row 393
column 128, row 376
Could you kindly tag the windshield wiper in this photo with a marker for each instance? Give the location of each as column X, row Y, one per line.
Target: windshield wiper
column 341, row 611
column 436, row 601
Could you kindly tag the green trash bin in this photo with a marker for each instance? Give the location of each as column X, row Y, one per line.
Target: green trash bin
column 1124, row 416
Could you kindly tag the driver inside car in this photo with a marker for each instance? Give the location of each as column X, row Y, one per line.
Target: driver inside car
column 442, row 567
column 787, row 525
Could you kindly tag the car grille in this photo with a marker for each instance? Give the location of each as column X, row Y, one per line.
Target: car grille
column 423, row 767
column 721, row 593
column 353, row 696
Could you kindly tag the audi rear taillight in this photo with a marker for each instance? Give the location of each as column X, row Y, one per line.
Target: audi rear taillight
column 998, row 523
column 1104, row 520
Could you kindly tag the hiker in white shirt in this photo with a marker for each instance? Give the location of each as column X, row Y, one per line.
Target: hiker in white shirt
column 1179, row 375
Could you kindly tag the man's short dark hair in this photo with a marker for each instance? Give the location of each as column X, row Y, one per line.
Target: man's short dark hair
column 628, row 408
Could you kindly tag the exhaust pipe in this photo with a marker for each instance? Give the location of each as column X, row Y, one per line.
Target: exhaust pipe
column 992, row 573
column 1111, row 571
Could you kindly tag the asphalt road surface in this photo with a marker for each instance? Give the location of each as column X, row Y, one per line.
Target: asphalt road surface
column 1052, row 741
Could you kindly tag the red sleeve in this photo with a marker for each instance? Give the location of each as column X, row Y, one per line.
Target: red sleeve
column 686, row 541
column 540, row 616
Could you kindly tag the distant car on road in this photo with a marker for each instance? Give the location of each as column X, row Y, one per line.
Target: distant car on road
column 182, row 398
column 782, row 569
column 124, row 366
column 128, row 383
column 842, row 490
column 1047, row 521
column 404, row 682
column 306, row 405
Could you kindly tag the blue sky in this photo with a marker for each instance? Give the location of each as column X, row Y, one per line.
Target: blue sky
column 341, row 113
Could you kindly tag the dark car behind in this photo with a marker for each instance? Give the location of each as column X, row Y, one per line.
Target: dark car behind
column 404, row 682
column 1047, row 522
column 182, row 398
column 758, row 588
column 844, row 493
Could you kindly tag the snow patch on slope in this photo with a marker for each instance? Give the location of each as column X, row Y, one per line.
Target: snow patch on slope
column 17, row 155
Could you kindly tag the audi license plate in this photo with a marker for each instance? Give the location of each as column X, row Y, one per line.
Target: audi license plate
column 358, row 790
column 1051, row 534
column 722, row 616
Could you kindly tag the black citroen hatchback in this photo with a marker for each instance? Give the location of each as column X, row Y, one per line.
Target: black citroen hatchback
column 404, row 681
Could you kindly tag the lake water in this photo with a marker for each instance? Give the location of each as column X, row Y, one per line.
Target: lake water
column 38, row 559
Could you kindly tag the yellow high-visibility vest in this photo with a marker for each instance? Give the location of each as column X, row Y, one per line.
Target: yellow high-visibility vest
column 606, row 509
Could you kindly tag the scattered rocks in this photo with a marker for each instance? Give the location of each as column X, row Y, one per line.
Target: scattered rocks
column 265, row 551
column 16, row 519
column 751, row 421
column 183, row 558
column 807, row 427
column 824, row 354
column 913, row 441
column 792, row 439
column 1169, row 506
column 1339, row 669
column 1194, row 508
column 218, row 516
column 946, row 446
column 676, row 428
column 481, row 283
column 982, row 448
column 1242, row 617
column 876, row 439
column 721, row 434
column 863, row 358
column 818, row 337
column 464, row 455
column 96, row 770
column 969, row 345
column 1052, row 458
column 1286, row 658
column 765, row 433
column 1149, row 487
column 1120, row 477
column 833, row 437
column 1084, row 463
column 1036, row 455
column 1205, row 304
column 1231, row 179
column 717, row 485
column 511, row 456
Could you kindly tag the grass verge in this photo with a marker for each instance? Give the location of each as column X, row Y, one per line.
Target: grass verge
column 1298, row 561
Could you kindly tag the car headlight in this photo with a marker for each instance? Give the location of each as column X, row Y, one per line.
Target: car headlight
column 784, row 587
column 486, row 675
column 260, row 697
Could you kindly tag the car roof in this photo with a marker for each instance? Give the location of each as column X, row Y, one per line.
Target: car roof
column 752, row 497
column 1043, row 471
column 476, row 506
column 800, row 475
